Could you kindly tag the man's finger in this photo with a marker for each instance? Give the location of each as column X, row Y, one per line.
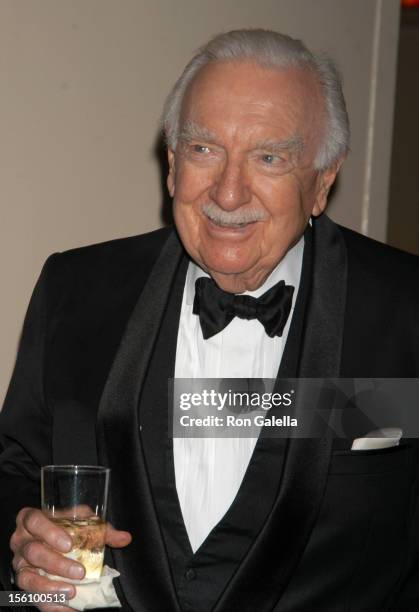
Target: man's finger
column 54, row 608
column 28, row 579
column 116, row 538
column 37, row 524
column 38, row 555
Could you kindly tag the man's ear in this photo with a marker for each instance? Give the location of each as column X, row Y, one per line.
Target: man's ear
column 326, row 179
column 171, row 176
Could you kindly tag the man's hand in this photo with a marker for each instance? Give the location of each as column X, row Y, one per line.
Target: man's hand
column 37, row 543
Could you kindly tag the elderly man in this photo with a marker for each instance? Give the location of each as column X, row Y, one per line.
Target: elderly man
column 257, row 130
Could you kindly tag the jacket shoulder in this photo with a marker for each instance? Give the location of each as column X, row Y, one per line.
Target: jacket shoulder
column 97, row 271
column 111, row 255
column 378, row 262
column 145, row 246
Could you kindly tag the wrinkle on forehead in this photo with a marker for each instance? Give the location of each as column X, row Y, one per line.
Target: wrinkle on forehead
column 210, row 80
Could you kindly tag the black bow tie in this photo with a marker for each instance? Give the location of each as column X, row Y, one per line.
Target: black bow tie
column 217, row 308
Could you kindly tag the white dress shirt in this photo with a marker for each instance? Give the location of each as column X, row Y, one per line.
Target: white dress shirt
column 209, row 471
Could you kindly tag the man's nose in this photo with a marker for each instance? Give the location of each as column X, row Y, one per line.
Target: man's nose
column 231, row 187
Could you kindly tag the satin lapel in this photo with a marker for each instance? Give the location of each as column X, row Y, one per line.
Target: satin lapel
column 145, row 575
column 268, row 566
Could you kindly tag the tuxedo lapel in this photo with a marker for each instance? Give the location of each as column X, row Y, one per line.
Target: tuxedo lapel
column 268, row 566
column 322, row 346
column 145, row 575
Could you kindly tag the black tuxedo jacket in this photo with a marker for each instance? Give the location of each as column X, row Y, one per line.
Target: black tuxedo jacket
column 342, row 531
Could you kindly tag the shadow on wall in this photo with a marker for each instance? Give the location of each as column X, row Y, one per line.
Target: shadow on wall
column 403, row 217
column 160, row 153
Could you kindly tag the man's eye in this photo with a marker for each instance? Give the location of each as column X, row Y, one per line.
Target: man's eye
column 270, row 159
column 200, row 149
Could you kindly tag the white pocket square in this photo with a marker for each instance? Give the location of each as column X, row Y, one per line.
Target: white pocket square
column 379, row 438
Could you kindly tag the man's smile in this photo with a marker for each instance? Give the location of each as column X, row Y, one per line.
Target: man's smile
column 231, row 229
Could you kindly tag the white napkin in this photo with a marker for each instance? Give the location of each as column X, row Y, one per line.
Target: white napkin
column 379, row 438
column 98, row 594
column 93, row 593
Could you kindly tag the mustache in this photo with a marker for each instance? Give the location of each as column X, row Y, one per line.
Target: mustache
column 234, row 217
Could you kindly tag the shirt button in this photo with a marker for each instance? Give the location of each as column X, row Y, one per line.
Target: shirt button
column 190, row 574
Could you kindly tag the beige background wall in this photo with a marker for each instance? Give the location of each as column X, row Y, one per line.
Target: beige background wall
column 82, row 84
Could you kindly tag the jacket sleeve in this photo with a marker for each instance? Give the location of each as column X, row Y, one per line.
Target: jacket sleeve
column 408, row 596
column 25, row 424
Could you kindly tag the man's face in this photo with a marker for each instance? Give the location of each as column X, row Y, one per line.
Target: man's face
column 242, row 176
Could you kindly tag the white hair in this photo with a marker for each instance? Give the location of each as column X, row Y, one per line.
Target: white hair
column 273, row 50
